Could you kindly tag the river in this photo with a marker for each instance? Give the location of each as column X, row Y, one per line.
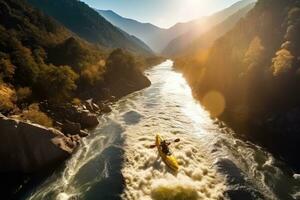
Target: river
column 115, row 161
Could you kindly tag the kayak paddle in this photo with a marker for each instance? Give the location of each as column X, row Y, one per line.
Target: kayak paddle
column 153, row 145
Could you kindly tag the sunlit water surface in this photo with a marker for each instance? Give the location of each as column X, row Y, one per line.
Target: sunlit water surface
column 116, row 163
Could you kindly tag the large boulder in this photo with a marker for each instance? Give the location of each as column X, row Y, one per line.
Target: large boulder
column 74, row 114
column 83, row 133
column 71, row 128
column 87, row 119
column 91, row 106
column 28, row 148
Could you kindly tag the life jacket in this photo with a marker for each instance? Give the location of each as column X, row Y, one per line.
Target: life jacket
column 165, row 148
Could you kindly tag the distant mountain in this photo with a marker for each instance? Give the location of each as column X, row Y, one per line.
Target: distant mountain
column 192, row 41
column 158, row 38
column 141, row 30
column 88, row 24
column 145, row 31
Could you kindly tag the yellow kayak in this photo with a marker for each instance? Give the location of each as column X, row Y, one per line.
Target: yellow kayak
column 169, row 160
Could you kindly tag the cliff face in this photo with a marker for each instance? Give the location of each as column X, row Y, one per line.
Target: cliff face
column 254, row 69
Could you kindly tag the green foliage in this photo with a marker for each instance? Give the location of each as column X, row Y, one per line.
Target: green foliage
column 74, row 53
column 93, row 73
column 23, row 94
column 40, row 55
column 42, row 60
column 120, row 62
column 24, row 33
column 26, row 68
column 37, row 52
column 7, row 69
column 56, row 83
column 88, row 24
column 144, row 62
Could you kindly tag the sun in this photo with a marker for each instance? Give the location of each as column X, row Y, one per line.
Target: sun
column 192, row 9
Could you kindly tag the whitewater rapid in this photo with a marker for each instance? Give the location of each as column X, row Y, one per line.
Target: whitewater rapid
column 115, row 162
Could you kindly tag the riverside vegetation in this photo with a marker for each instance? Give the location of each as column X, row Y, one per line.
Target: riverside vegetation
column 251, row 74
column 52, row 77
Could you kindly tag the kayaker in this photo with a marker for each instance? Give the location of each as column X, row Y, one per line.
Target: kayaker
column 165, row 147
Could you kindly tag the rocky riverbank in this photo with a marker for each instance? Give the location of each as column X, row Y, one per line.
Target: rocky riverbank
column 32, row 151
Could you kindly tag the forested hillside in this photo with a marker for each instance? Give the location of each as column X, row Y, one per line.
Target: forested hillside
column 144, row 31
column 28, row 40
column 53, row 86
column 170, row 40
column 252, row 75
column 42, row 60
column 204, row 31
column 88, row 24
column 190, row 42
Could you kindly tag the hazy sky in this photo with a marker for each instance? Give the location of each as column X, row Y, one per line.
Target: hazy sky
column 163, row 13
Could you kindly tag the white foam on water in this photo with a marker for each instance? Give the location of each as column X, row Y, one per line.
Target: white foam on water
column 170, row 114
column 147, row 177
column 63, row 186
column 63, row 196
column 167, row 108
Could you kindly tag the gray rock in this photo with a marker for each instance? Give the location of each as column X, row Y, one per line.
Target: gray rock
column 88, row 120
column 83, row 133
column 105, row 109
column 28, row 148
column 91, row 106
column 78, row 114
column 71, row 128
column 95, row 106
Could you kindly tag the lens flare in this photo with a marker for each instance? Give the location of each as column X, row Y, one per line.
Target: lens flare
column 214, row 102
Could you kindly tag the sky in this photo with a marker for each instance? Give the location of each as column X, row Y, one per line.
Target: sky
column 163, row 13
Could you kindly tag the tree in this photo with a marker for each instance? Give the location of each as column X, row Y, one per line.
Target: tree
column 57, row 83
column 254, row 54
column 26, row 68
column 93, row 73
column 7, row 69
column 282, row 63
column 120, row 61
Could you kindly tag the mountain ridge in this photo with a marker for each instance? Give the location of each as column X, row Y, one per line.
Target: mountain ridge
column 158, row 38
column 88, row 24
column 254, row 70
column 188, row 41
column 203, row 26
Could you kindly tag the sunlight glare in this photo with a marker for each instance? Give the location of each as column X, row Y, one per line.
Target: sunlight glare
column 177, row 86
column 214, row 102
